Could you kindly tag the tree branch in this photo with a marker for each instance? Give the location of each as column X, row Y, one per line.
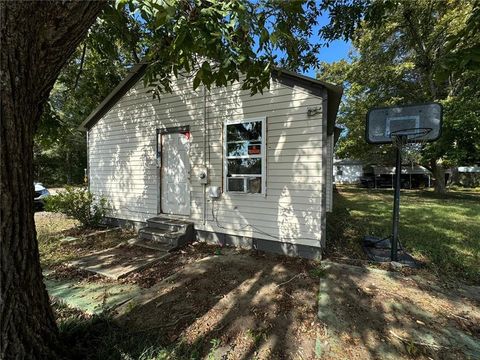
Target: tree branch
column 81, row 66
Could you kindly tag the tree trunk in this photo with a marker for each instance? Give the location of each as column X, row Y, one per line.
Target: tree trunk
column 37, row 38
column 439, row 177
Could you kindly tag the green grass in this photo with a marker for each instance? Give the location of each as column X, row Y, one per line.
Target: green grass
column 53, row 227
column 443, row 230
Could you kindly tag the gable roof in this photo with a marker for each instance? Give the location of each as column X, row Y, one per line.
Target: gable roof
column 135, row 74
column 288, row 78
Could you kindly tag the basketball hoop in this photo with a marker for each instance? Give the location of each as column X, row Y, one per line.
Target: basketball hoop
column 418, row 123
column 408, row 128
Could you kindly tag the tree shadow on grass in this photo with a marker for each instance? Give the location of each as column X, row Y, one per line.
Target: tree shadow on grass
column 371, row 313
column 441, row 230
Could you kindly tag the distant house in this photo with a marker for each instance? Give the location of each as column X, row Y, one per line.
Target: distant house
column 247, row 170
column 413, row 176
column 468, row 176
column 347, row 171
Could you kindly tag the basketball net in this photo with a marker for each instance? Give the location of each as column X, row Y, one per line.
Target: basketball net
column 410, row 142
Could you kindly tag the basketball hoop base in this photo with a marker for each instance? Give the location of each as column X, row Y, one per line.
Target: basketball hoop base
column 379, row 250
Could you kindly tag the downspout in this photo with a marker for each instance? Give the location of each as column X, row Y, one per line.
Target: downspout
column 325, row 149
column 88, row 160
column 205, row 154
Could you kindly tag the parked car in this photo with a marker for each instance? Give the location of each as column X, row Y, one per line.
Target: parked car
column 367, row 181
column 41, row 193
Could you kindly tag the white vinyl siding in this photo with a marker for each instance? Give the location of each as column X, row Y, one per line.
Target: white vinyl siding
column 329, row 182
column 123, row 167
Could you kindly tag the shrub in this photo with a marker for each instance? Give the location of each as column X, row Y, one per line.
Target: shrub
column 80, row 204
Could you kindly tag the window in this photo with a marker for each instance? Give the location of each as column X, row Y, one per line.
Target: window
column 245, row 156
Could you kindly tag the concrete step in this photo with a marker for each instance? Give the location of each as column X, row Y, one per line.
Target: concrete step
column 167, row 224
column 164, row 236
column 151, row 244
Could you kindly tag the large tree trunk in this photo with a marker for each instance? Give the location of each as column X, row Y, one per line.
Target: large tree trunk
column 439, row 177
column 37, row 38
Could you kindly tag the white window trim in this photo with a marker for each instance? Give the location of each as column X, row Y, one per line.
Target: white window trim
column 263, row 156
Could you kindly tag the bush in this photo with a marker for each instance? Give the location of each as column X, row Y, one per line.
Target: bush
column 80, row 204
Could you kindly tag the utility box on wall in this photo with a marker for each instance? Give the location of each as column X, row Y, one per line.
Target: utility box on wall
column 214, row 192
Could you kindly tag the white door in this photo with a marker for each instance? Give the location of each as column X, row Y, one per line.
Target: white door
column 175, row 174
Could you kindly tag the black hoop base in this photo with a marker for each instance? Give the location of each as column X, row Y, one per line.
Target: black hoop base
column 379, row 250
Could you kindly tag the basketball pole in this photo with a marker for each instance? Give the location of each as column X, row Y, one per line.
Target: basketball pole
column 396, row 201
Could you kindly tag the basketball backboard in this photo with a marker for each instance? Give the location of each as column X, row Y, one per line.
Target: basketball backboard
column 418, row 123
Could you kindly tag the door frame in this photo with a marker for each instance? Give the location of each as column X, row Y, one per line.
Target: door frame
column 159, row 151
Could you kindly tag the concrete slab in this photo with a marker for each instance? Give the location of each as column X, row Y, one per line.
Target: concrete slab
column 119, row 261
column 102, row 232
column 69, row 239
column 91, row 298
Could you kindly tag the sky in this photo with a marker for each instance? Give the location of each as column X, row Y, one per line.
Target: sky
column 336, row 51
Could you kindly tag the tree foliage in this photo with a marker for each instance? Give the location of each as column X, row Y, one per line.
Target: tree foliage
column 218, row 41
column 414, row 52
column 97, row 66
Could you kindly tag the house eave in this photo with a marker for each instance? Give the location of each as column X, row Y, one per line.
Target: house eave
column 289, row 78
column 316, row 87
column 135, row 74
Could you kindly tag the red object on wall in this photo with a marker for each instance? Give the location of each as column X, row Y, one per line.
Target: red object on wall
column 253, row 149
column 187, row 134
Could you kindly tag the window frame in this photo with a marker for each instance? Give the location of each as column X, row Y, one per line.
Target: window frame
column 262, row 156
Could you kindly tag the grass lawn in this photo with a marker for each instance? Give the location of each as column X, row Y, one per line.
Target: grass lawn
column 53, row 227
column 442, row 230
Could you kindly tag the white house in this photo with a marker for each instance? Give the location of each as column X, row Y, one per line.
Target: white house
column 468, row 176
column 347, row 171
column 244, row 170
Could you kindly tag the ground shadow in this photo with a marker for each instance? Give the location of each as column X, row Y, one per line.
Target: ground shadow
column 234, row 305
column 244, row 305
column 440, row 230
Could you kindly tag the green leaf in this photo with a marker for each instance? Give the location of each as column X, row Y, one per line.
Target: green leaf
column 197, row 80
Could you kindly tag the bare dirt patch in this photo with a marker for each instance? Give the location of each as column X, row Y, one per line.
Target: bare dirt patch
column 237, row 305
column 242, row 305
column 209, row 302
column 170, row 265
column 66, row 272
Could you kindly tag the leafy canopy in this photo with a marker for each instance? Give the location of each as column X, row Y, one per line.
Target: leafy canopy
column 216, row 41
column 96, row 67
column 415, row 52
